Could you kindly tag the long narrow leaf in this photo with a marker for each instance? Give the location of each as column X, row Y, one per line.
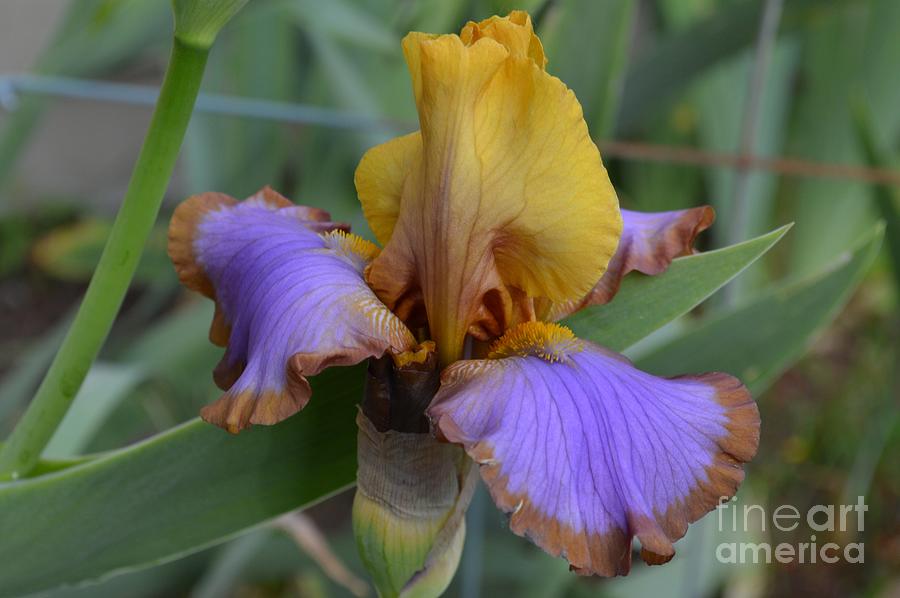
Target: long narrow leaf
column 759, row 340
column 175, row 493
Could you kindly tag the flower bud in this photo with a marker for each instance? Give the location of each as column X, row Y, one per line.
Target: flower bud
column 412, row 491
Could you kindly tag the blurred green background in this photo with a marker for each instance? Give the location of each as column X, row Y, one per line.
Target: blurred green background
column 674, row 91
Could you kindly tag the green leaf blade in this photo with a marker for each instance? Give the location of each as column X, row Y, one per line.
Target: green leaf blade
column 175, row 493
column 760, row 339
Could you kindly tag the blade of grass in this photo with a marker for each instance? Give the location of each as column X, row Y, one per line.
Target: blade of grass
column 104, row 388
column 830, row 215
column 886, row 197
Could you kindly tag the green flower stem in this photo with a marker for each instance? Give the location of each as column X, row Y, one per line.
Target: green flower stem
column 117, row 264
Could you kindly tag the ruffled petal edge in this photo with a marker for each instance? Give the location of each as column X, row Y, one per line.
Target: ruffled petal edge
column 645, row 247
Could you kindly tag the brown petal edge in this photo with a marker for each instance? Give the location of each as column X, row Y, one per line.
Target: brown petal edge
column 676, row 241
column 238, row 411
column 609, row 554
column 235, row 412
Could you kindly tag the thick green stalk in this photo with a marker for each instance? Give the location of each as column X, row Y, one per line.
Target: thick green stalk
column 117, row 264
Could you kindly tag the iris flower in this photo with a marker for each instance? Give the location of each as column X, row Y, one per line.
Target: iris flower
column 496, row 219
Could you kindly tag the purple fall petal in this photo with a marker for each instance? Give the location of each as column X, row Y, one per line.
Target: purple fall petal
column 586, row 451
column 289, row 301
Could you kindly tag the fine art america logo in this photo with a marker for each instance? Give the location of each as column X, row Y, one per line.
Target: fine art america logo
column 822, row 519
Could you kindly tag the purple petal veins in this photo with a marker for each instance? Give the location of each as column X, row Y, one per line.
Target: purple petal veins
column 588, row 451
column 292, row 301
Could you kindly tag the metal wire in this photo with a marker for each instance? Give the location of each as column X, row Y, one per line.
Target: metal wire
column 145, row 95
column 784, row 166
column 302, row 114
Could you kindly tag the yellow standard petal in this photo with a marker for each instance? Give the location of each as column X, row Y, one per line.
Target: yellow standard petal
column 501, row 196
column 379, row 181
column 514, row 32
